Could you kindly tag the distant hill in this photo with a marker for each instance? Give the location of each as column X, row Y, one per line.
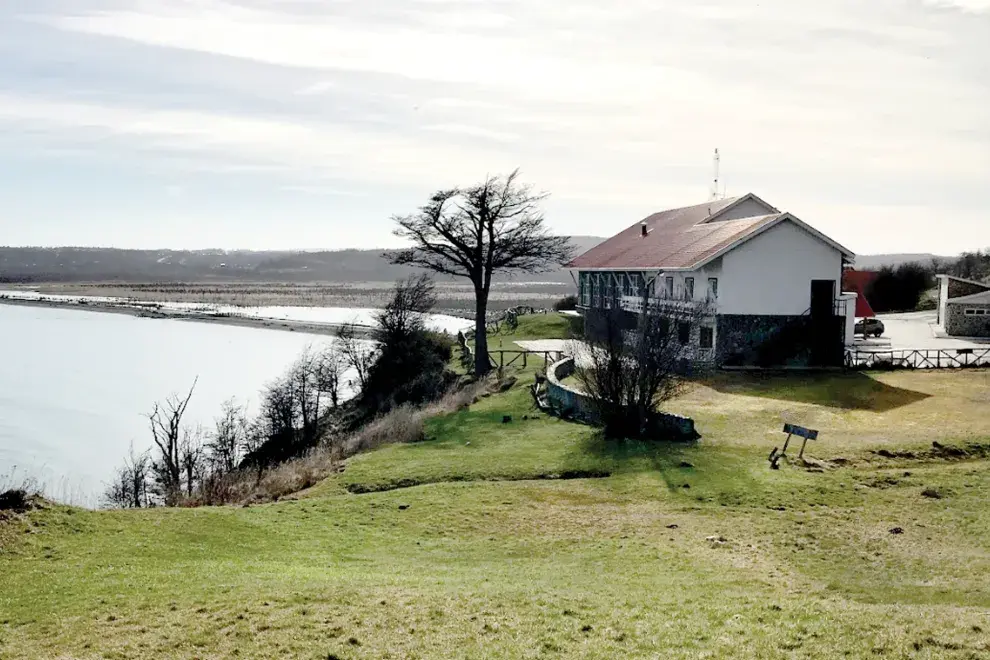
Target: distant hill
column 877, row 261
column 69, row 264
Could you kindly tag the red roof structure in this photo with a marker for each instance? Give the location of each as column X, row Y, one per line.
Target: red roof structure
column 858, row 281
column 686, row 238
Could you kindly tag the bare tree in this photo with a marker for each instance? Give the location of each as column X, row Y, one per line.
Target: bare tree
column 358, row 353
column 495, row 226
column 404, row 313
column 191, row 457
column 129, row 488
column 332, row 366
column 166, row 430
column 630, row 371
column 307, row 394
column 229, row 437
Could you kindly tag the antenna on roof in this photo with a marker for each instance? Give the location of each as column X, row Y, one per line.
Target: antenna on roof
column 715, row 191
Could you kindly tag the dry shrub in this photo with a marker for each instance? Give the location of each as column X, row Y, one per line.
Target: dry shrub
column 401, row 425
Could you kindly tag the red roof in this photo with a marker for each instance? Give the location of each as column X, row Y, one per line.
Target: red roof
column 684, row 238
column 858, row 281
column 678, row 238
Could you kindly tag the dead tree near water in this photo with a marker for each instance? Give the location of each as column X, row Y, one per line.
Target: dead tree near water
column 166, row 430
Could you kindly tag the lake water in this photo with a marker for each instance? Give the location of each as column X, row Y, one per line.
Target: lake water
column 74, row 386
column 314, row 315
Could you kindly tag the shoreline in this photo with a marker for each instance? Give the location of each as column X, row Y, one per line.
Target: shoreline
column 324, row 329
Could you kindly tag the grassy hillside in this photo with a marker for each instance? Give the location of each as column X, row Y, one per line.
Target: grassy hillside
column 535, row 538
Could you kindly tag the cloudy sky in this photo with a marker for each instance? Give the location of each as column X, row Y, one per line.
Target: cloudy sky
column 307, row 123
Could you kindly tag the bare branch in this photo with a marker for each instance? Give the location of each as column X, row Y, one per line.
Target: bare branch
column 492, row 227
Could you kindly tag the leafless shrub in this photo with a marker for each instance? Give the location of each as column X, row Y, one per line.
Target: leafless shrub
column 330, row 373
column 359, row 355
column 192, row 457
column 129, row 487
column 230, row 435
column 166, row 430
column 403, row 424
column 631, row 372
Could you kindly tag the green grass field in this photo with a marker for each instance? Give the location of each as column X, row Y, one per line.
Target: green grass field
column 536, row 538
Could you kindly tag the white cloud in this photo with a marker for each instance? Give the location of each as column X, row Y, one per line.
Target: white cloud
column 613, row 104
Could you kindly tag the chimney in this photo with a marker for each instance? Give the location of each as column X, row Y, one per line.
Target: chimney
column 643, row 229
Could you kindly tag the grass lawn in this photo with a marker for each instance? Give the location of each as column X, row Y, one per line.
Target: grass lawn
column 535, row 538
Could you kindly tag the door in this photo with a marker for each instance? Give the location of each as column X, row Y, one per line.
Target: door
column 822, row 298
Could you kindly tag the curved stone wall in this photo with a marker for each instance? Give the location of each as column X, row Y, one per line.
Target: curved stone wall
column 571, row 403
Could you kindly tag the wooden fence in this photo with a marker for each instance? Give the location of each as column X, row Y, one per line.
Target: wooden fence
column 920, row 358
column 499, row 358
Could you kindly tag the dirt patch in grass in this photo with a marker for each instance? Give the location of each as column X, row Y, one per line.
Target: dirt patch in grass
column 938, row 451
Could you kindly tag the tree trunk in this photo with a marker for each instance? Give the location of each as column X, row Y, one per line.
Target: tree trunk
column 481, row 364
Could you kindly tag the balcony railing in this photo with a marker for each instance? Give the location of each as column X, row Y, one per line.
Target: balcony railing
column 635, row 303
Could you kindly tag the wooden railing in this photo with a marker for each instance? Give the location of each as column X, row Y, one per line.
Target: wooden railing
column 499, row 358
column 920, row 358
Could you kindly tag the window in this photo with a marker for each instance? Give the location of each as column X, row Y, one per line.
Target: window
column 981, row 312
column 970, row 312
column 689, row 288
column 707, row 338
column 683, row 332
column 584, row 289
column 596, row 290
column 668, row 284
column 713, row 288
column 633, row 287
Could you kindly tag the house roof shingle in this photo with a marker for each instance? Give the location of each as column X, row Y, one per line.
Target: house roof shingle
column 681, row 239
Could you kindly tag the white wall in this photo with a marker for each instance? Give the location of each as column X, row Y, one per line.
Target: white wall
column 772, row 273
column 748, row 209
column 849, row 300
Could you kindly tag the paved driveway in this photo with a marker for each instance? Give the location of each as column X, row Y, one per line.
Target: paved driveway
column 915, row 330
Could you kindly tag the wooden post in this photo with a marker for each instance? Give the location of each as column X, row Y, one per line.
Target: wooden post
column 803, row 443
column 784, row 450
column 524, row 358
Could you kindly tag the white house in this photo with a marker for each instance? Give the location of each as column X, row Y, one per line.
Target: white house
column 771, row 280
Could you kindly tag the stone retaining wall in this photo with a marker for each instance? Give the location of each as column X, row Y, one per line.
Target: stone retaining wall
column 571, row 403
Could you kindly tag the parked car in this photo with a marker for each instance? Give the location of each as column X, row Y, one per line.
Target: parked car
column 868, row 327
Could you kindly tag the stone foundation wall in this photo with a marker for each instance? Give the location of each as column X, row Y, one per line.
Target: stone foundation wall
column 745, row 340
column 960, row 325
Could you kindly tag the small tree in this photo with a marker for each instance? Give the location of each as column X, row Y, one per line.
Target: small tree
column 166, row 430
column 332, row 366
column 411, row 362
column 358, row 353
column 307, row 394
column 495, row 226
column 229, row 437
column 129, row 488
column 191, row 455
column 631, row 369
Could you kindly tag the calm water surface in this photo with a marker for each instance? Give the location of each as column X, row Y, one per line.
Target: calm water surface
column 74, row 386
